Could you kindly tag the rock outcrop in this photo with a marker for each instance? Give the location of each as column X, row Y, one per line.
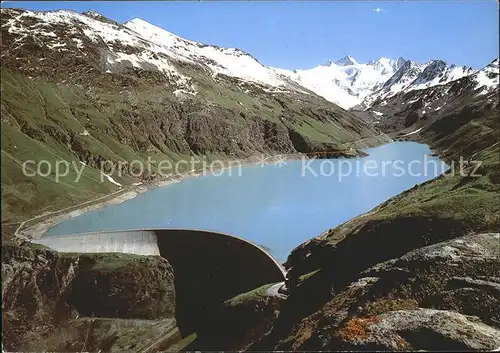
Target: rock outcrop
column 43, row 291
column 420, row 329
column 443, row 296
column 243, row 320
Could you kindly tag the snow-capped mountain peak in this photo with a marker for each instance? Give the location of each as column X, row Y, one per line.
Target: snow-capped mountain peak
column 432, row 70
column 138, row 44
column 387, row 65
column 154, row 33
column 407, row 72
column 346, row 81
column 229, row 61
column 93, row 14
column 97, row 16
column 400, row 61
column 346, row 61
column 487, row 79
column 413, row 76
column 438, row 72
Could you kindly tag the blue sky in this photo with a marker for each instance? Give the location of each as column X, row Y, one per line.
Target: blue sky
column 307, row 33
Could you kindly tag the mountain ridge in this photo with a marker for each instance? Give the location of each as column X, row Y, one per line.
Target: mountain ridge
column 410, row 108
column 345, row 82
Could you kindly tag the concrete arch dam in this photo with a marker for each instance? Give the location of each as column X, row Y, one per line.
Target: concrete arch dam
column 209, row 267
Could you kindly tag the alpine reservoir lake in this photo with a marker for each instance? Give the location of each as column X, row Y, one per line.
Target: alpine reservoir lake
column 277, row 206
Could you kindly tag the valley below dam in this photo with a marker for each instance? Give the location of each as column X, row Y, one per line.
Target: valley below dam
column 276, row 206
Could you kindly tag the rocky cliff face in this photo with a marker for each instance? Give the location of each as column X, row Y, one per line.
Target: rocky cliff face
column 439, row 297
column 45, row 292
column 242, row 321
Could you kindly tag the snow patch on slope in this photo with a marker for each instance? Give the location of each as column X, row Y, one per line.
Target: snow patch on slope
column 111, row 180
column 487, row 78
column 413, row 132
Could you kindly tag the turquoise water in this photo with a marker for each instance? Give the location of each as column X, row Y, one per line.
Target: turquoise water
column 278, row 206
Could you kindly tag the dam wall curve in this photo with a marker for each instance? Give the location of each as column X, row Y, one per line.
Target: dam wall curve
column 209, row 267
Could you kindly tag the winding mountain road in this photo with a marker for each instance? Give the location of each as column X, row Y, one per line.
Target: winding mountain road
column 273, row 291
